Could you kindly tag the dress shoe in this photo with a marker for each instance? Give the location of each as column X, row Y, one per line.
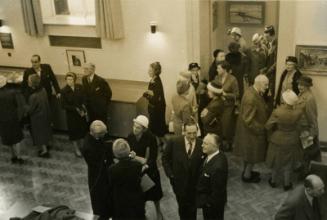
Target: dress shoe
column 288, row 187
column 44, row 154
column 271, row 183
column 14, row 160
column 255, row 174
column 252, row 179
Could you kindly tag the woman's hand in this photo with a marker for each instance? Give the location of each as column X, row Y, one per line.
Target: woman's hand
column 204, row 112
column 149, row 92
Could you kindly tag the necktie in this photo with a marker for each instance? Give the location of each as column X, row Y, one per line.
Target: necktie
column 189, row 151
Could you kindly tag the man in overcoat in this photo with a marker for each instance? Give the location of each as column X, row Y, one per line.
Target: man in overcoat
column 250, row 138
column 182, row 160
column 98, row 94
column 97, row 152
column 303, row 203
column 212, row 184
column 48, row 78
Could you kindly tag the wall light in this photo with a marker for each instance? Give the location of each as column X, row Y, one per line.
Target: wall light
column 153, row 26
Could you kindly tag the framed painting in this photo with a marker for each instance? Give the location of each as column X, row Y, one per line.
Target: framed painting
column 76, row 59
column 214, row 15
column 6, row 41
column 312, row 59
column 246, row 13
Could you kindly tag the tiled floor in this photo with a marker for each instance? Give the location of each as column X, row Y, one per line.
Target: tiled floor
column 62, row 179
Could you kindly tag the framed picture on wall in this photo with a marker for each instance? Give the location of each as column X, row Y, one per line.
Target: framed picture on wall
column 6, row 41
column 214, row 15
column 76, row 59
column 312, row 59
column 246, row 13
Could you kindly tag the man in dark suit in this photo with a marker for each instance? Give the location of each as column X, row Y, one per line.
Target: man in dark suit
column 98, row 156
column 211, row 188
column 98, row 94
column 48, row 79
column 182, row 160
column 303, row 202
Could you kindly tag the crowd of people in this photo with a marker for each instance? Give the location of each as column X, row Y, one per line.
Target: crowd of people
column 233, row 108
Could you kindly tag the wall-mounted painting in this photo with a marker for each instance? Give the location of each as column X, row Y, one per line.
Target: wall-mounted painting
column 76, row 59
column 246, row 13
column 312, row 59
column 214, row 15
column 6, row 41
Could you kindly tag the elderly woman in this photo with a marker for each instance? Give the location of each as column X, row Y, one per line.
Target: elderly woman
column 231, row 100
column 183, row 111
column 39, row 111
column 125, row 184
column 308, row 124
column 284, row 150
column 73, row 101
column 289, row 78
column 97, row 153
column 157, row 103
column 10, row 130
column 144, row 144
column 212, row 114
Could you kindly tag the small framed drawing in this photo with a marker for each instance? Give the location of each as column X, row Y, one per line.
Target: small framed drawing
column 246, row 13
column 312, row 59
column 76, row 59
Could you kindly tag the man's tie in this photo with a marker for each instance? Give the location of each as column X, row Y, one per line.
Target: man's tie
column 189, row 151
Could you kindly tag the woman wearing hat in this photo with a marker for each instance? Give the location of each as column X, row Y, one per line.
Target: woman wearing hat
column 257, row 57
column 284, row 150
column 157, row 103
column 182, row 107
column 308, row 123
column 212, row 114
column 236, row 35
column 73, row 101
column 10, row 130
column 289, row 79
column 40, row 114
column 125, row 184
column 144, row 144
column 231, row 100
column 219, row 55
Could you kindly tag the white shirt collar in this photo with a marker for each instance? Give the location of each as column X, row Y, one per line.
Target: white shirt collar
column 187, row 145
column 209, row 157
column 310, row 198
column 91, row 77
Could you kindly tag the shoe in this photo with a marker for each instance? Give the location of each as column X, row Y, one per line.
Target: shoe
column 288, row 187
column 255, row 174
column 272, row 184
column 14, row 160
column 44, row 154
column 21, row 161
column 252, row 179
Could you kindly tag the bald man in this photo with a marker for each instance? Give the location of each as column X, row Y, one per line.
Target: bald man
column 98, row 94
column 212, row 184
column 97, row 152
column 303, row 202
column 250, row 138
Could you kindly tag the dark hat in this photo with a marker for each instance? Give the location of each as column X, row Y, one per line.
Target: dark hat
column 305, row 81
column 269, row 29
column 193, row 65
column 291, row 59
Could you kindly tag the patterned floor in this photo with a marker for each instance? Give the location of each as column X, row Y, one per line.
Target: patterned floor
column 62, row 180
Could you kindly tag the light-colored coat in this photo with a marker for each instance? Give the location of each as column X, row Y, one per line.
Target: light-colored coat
column 250, row 137
column 182, row 112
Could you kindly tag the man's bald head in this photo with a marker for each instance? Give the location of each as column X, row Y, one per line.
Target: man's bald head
column 314, row 185
column 261, row 83
column 98, row 129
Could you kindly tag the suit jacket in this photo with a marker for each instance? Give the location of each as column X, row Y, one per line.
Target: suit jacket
column 125, row 190
column 212, row 184
column 182, row 171
column 212, row 120
column 296, row 207
column 98, row 95
column 48, row 79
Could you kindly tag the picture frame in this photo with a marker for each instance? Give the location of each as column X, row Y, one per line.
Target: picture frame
column 214, row 15
column 312, row 59
column 6, row 41
column 250, row 13
column 76, row 59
